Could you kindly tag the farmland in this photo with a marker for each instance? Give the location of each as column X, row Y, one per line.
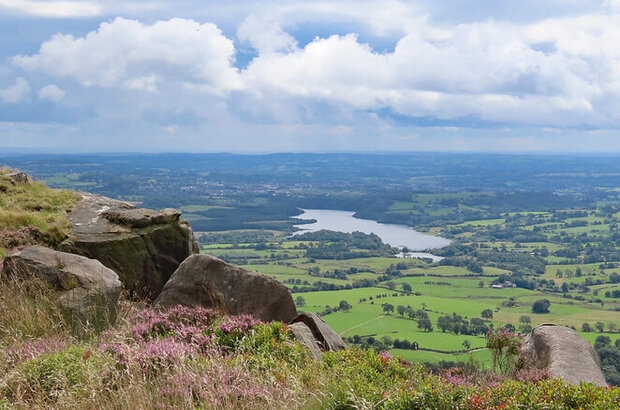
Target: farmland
column 439, row 289
column 530, row 221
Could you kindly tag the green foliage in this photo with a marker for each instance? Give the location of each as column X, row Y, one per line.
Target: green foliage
column 425, row 324
column 458, row 325
column 71, row 369
column 487, row 314
column 36, row 207
column 344, row 305
column 505, row 347
column 339, row 245
column 364, row 379
column 541, row 306
column 256, row 365
column 300, row 301
column 387, row 308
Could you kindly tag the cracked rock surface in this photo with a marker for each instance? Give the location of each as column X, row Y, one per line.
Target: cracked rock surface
column 143, row 246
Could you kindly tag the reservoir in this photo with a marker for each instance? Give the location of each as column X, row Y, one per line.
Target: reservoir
column 394, row 235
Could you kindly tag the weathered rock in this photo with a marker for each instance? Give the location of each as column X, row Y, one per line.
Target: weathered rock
column 563, row 353
column 141, row 218
column 299, row 331
column 144, row 247
column 83, row 286
column 327, row 339
column 204, row 280
column 18, row 177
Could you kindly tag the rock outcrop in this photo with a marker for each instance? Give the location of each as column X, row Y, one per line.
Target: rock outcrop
column 83, row 286
column 204, row 280
column 563, row 353
column 324, row 336
column 17, row 177
column 144, row 247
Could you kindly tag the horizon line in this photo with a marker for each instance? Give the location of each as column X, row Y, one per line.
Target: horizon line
column 14, row 151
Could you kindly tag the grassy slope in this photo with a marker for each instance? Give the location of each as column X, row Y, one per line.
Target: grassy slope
column 33, row 206
column 193, row 358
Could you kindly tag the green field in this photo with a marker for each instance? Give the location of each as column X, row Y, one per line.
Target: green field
column 444, row 290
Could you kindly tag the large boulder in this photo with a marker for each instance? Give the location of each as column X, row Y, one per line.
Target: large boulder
column 204, row 280
column 325, row 337
column 83, row 286
column 144, row 247
column 563, row 353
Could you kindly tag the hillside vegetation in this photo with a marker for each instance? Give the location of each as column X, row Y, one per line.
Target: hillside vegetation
column 199, row 358
column 32, row 213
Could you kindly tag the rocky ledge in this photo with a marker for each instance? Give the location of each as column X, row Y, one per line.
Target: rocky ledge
column 144, row 247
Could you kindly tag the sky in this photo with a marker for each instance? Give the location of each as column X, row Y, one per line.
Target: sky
column 310, row 76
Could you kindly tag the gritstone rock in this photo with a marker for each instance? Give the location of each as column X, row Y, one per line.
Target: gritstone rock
column 563, row 353
column 144, row 247
column 18, row 177
column 204, row 280
column 299, row 331
column 327, row 339
column 83, row 286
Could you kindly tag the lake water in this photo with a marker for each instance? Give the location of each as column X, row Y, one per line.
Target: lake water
column 394, row 235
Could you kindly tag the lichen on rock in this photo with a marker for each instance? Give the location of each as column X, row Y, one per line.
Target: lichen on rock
column 144, row 247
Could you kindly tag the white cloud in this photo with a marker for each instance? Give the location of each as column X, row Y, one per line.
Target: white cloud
column 53, row 8
column 15, row 93
column 560, row 72
column 556, row 72
column 265, row 35
column 128, row 54
column 51, row 92
column 613, row 5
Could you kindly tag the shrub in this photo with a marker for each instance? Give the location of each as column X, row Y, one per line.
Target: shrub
column 541, row 306
column 505, row 347
column 487, row 314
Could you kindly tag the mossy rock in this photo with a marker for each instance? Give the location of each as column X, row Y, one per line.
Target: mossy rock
column 144, row 247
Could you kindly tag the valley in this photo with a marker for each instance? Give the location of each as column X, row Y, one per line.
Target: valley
column 526, row 221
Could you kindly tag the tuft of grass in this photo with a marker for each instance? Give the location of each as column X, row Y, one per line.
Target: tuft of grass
column 29, row 312
column 37, row 207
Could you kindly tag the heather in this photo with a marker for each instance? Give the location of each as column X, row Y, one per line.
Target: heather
column 203, row 358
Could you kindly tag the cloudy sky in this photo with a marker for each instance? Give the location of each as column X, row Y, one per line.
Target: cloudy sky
column 273, row 76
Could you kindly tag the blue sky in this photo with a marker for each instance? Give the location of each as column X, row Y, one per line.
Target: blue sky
column 293, row 76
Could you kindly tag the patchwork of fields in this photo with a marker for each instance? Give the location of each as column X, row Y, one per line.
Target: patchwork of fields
column 441, row 290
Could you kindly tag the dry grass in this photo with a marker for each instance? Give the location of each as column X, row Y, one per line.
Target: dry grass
column 148, row 361
column 29, row 312
column 35, row 205
column 46, row 362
